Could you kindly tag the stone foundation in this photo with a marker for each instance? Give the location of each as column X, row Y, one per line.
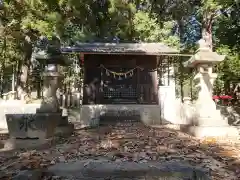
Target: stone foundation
column 92, row 114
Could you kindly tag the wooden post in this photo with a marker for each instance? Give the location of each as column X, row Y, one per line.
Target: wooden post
column 13, row 80
column 138, row 88
column 101, row 87
column 153, row 83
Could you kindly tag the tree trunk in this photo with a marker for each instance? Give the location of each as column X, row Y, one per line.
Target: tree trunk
column 181, row 68
column 22, row 88
column 2, row 67
column 131, row 29
column 24, row 71
column 207, row 29
column 181, row 79
column 2, row 77
column 39, row 87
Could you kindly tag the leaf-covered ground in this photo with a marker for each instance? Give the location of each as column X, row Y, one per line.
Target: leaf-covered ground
column 131, row 142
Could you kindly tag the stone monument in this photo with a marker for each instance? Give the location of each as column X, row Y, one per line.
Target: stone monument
column 208, row 120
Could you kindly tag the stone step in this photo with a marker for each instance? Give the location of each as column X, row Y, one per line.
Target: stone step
column 116, row 121
column 114, row 116
column 110, row 170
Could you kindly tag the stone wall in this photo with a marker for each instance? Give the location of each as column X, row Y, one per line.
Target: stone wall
column 167, row 96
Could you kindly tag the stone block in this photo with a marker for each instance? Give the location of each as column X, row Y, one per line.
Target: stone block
column 65, row 130
column 31, row 108
column 212, row 121
column 103, row 169
column 40, row 125
column 48, row 108
column 7, row 109
column 90, row 116
column 11, row 102
column 17, row 108
column 116, row 113
column 150, row 115
column 63, row 121
column 211, row 131
column 1, row 144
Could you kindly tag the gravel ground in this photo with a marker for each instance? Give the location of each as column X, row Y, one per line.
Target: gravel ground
column 129, row 142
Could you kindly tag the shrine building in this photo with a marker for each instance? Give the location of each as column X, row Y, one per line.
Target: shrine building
column 124, row 77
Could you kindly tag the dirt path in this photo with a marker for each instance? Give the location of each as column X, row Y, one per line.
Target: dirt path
column 132, row 142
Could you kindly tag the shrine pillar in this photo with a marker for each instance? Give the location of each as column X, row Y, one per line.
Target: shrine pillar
column 208, row 120
column 167, row 94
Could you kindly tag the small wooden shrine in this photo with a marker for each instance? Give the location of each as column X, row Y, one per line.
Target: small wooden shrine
column 123, row 73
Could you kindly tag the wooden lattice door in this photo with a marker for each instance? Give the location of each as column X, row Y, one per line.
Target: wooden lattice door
column 119, row 89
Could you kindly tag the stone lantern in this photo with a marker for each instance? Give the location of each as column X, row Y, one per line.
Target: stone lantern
column 39, row 125
column 208, row 120
column 1, row 5
column 51, row 58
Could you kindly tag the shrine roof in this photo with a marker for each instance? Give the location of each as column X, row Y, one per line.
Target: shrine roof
column 120, row 48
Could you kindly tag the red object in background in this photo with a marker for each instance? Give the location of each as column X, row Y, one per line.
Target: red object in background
column 223, row 100
column 226, row 97
column 215, row 97
column 222, row 97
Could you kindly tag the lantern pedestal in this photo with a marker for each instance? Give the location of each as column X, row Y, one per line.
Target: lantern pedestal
column 212, row 131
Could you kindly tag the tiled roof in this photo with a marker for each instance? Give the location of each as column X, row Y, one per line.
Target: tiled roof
column 120, row 48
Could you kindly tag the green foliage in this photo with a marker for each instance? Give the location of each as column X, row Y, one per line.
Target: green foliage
column 147, row 29
column 229, row 69
column 144, row 20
